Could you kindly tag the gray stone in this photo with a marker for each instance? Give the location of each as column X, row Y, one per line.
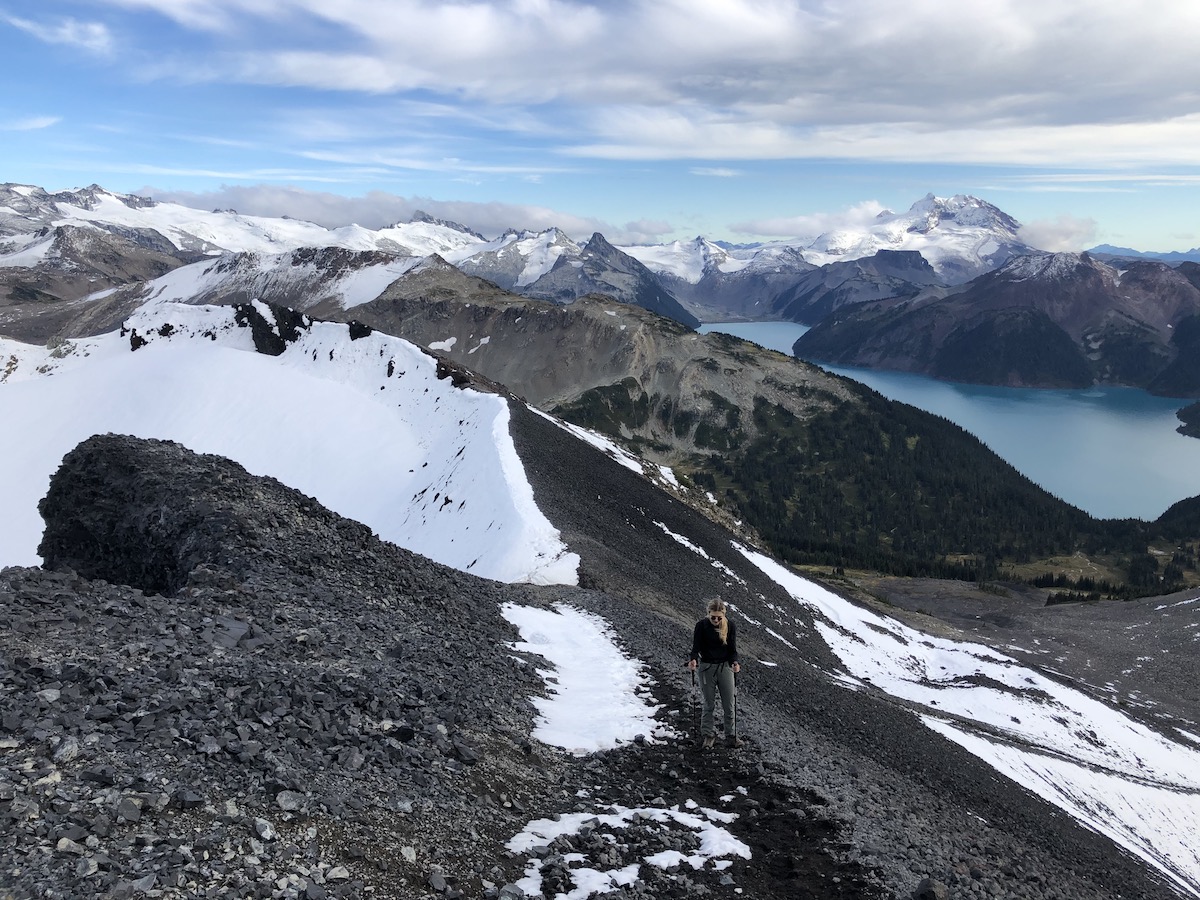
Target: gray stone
column 289, row 801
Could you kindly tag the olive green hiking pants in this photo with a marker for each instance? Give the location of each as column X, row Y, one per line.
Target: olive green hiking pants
column 714, row 678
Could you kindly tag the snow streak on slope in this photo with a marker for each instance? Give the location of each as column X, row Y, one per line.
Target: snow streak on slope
column 1116, row 776
column 277, row 276
column 598, row 697
column 364, row 425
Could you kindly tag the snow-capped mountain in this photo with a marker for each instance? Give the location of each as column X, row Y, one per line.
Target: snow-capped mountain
column 717, row 282
column 309, row 278
column 522, row 261
column 692, row 261
column 600, row 268
column 24, row 210
column 516, row 260
column 960, row 237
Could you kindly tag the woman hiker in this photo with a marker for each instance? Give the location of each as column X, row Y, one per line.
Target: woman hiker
column 714, row 653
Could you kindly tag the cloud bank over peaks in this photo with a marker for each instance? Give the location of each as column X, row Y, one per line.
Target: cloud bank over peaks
column 377, row 209
column 860, row 215
column 1061, row 234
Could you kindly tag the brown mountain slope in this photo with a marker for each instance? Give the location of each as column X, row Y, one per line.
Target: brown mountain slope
column 670, row 388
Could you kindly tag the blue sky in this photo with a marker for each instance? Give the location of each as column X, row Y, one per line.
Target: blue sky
column 648, row 121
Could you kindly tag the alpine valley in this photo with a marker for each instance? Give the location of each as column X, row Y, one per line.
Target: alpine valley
column 364, row 563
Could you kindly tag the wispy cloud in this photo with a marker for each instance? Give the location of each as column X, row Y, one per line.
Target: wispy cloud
column 1102, row 180
column 91, row 36
column 32, row 123
column 1062, row 233
column 715, row 171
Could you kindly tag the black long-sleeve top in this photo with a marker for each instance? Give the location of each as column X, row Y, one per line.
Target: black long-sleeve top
column 707, row 646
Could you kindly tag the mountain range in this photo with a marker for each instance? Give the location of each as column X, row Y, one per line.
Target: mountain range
column 216, row 683
column 1005, row 313
column 957, row 238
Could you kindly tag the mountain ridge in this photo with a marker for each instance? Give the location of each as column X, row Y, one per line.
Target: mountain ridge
column 1046, row 320
column 960, row 236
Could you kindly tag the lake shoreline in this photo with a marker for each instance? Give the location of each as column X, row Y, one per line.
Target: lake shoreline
column 1114, row 452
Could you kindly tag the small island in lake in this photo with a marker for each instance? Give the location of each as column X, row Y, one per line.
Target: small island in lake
column 1190, row 417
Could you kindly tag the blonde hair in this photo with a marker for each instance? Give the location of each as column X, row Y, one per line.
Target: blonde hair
column 717, row 605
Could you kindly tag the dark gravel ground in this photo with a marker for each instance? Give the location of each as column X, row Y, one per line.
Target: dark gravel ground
column 911, row 805
column 217, row 688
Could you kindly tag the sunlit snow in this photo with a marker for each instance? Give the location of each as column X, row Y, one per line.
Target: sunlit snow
column 1126, row 781
column 598, row 696
column 365, row 426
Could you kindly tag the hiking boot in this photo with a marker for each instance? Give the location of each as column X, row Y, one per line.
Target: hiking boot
column 734, row 741
column 708, row 741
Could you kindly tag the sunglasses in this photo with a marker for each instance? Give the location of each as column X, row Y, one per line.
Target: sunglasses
column 715, row 618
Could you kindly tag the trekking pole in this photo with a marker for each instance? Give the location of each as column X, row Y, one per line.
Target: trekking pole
column 695, row 720
column 735, row 703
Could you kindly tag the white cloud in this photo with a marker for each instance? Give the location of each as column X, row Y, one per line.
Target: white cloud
column 91, row 36
column 1062, row 233
column 1100, row 181
column 1015, row 81
column 32, row 123
column 643, row 231
column 857, row 216
column 715, row 171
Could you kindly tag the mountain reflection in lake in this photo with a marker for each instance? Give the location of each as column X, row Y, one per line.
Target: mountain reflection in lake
column 1113, row 452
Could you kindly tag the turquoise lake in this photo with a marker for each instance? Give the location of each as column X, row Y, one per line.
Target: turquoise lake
column 1111, row 451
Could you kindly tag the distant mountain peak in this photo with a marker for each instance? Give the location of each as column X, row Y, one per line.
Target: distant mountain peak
column 962, row 209
column 422, row 217
column 1045, row 266
column 92, row 196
